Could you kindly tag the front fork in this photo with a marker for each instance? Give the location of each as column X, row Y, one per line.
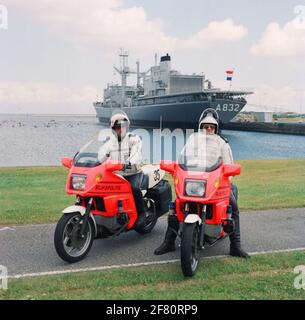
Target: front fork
column 202, row 226
column 85, row 218
column 202, row 216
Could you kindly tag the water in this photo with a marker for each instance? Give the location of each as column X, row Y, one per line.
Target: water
column 258, row 145
column 44, row 140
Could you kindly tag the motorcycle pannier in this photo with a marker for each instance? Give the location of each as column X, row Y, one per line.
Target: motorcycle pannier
column 162, row 195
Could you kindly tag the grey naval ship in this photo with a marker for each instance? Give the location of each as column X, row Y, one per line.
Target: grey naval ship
column 165, row 98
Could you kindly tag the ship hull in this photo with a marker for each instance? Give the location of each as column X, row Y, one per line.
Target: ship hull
column 176, row 115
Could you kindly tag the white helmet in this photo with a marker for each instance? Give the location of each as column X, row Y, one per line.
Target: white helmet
column 120, row 118
column 209, row 116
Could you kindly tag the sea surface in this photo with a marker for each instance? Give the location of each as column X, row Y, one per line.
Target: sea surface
column 34, row 140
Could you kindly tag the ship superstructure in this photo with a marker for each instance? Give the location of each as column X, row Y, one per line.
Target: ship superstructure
column 164, row 95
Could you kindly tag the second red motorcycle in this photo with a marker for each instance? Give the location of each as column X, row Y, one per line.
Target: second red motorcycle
column 203, row 187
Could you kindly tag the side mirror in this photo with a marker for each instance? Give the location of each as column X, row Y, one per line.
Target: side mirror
column 113, row 166
column 231, row 170
column 168, row 166
column 66, row 162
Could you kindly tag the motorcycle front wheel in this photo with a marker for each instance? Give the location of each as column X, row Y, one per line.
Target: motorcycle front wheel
column 190, row 249
column 69, row 245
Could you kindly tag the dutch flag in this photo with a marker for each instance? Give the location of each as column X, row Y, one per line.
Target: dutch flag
column 229, row 75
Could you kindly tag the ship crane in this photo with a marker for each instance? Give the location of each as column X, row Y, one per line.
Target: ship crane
column 125, row 71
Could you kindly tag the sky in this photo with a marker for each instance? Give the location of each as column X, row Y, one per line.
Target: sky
column 56, row 56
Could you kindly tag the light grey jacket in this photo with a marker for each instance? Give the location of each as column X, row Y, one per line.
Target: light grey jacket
column 128, row 150
column 226, row 151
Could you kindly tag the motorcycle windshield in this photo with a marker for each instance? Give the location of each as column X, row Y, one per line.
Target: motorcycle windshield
column 88, row 154
column 202, row 152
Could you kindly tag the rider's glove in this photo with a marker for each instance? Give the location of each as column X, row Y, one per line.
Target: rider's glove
column 126, row 166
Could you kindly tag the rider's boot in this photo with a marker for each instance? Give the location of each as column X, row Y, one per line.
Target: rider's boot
column 168, row 244
column 235, row 247
column 137, row 194
column 141, row 219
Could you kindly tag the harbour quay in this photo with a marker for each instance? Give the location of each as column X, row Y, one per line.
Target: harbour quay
column 271, row 127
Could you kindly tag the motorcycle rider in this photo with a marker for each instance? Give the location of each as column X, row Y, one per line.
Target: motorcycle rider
column 209, row 122
column 126, row 147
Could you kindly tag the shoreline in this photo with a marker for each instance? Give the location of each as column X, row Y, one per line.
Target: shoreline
column 44, row 166
column 291, row 128
column 50, row 114
column 272, row 127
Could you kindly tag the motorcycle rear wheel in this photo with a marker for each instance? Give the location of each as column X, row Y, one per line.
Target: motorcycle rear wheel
column 190, row 253
column 68, row 243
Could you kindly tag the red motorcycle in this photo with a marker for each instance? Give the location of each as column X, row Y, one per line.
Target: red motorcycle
column 203, row 189
column 105, row 206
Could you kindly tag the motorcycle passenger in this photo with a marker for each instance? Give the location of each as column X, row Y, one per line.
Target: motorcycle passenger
column 126, row 147
column 209, row 122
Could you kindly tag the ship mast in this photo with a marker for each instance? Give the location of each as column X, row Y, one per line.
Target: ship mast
column 123, row 71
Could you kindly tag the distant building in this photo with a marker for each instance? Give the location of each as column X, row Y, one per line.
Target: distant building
column 263, row 116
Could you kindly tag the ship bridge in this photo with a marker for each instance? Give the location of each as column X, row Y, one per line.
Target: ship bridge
column 164, row 81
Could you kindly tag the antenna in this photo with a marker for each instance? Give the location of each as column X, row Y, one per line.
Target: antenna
column 160, row 137
column 138, row 74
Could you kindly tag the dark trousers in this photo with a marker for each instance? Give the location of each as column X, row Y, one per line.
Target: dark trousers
column 135, row 183
column 235, row 236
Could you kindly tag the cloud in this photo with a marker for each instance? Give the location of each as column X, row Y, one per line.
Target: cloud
column 110, row 25
column 277, row 99
column 217, row 32
column 277, row 41
column 20, row 93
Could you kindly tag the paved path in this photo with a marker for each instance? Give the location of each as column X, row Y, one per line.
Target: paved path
column 30, row 249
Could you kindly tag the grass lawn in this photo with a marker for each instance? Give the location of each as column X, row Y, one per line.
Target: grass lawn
column 271, row 184
column 32, row 194
column 37, row 194
column 261, row 277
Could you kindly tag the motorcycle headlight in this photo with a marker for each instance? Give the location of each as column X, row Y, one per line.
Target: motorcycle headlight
column 195, row 188
column 78, row 182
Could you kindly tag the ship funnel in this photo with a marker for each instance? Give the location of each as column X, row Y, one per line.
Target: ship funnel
column 165, row 63
column 165, row 58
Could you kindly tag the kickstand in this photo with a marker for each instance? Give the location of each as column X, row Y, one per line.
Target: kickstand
column 217, row 240
column 119, row 231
